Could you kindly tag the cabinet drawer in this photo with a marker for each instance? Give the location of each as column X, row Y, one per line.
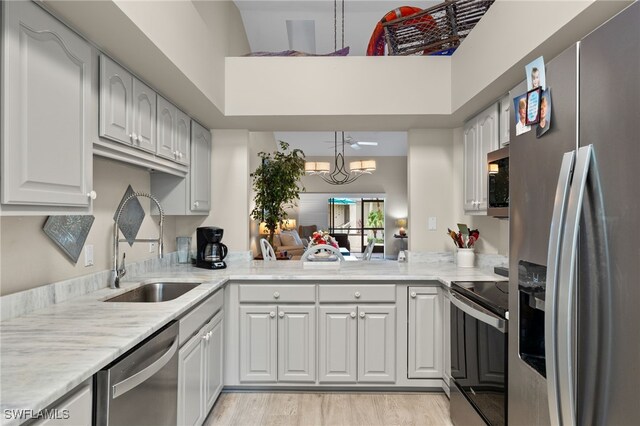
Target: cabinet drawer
column 277, row 293
column 194, row 320
column 350, row 293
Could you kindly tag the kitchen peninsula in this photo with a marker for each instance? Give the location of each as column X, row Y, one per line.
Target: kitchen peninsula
column 50, row 351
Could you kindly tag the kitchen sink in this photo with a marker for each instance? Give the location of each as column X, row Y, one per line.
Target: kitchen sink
column 154, row 292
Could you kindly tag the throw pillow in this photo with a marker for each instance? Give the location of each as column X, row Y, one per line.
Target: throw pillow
column 296, row 236
column 287, row 239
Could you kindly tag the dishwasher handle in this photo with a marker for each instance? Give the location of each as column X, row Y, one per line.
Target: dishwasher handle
column 142, row 376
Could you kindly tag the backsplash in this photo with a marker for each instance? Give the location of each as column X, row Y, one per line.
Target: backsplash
column 483, row 260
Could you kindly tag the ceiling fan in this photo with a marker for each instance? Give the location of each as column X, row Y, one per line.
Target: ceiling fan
column 356, row 144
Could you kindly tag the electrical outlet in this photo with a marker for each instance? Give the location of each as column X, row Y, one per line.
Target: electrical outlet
column 432, row 223
column 88, row 255
column 152, row 247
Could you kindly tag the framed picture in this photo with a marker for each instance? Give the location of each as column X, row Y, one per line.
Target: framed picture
column 533, row 106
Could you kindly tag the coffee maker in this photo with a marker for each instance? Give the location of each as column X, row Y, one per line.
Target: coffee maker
column 211, row 251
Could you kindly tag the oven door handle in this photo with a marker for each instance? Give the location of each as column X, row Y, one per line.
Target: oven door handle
column 479, row 313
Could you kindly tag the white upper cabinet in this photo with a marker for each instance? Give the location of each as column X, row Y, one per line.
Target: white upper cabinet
column 144, row 116
column 480, row 138
column 505, row 120
column 116, row 102
column 200, row 174
column 47, row 116
column 183, row 138
column 166, row 129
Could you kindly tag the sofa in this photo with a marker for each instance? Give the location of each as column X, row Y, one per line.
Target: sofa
column 290, row 242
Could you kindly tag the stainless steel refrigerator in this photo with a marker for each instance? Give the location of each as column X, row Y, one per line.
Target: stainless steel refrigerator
column 574, row 255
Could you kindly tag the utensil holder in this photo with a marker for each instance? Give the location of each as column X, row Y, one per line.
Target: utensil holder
column 465, row 257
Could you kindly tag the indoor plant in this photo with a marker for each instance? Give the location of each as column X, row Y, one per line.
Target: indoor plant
column 276, row 183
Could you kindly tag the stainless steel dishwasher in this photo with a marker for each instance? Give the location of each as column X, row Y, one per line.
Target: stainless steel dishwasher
column 141, row 388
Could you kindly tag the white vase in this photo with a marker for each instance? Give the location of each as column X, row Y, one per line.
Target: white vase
column 465, row 257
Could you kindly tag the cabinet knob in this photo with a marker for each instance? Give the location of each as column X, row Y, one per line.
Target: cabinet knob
column 413, row 294
column 93, row 195
column 357, row 295
column 276, row 295
column 281, row 314
column 353, row 314
column 362, row 314
column 134, row 137
column 196, row 204
column 272, row 314
column 180, row 155
column 131, row 136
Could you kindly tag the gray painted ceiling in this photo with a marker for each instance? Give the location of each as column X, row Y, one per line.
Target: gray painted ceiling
column 311, row 23
column 321, row 143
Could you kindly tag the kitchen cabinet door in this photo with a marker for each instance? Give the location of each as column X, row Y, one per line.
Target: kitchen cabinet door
column 296, row 343
column 166, row 125
column 258, row 343
column 116, row 102
column 425, row 333
column 200, row 173
column 144, row 116
column 505, row 120
column 470, row 164
column 183, row 138
column 213, row 361
column 377, row 344
column 338, row 344
column 488, row 141
column 191, row 379
column 46, row 112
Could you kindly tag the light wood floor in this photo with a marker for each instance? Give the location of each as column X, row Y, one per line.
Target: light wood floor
column 246, row 409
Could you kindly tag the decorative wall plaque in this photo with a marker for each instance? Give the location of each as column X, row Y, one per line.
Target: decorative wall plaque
column 69, row 233
column 131, row 217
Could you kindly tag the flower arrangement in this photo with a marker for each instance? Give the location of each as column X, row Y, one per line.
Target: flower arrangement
column 465, row 238
column 322, row 237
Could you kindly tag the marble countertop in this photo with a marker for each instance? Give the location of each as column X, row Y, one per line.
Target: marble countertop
column 48, row 352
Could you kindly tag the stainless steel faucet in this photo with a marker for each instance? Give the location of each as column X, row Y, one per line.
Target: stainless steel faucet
column 119, row 271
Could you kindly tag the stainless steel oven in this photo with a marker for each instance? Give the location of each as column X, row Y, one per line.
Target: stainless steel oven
column 498, row 183
column 479, row 323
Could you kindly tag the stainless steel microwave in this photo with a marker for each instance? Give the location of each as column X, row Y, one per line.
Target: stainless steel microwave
column 498, row 183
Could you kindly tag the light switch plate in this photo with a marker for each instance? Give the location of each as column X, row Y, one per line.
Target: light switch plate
column 432, row 223
column 88, row 255
column 152, row 247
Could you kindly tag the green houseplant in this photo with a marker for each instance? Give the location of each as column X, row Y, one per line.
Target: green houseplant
column 375, row 219
column 276, row 183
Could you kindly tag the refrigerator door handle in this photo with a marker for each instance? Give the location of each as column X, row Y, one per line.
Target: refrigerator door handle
column 566, row 373
column 551, row 293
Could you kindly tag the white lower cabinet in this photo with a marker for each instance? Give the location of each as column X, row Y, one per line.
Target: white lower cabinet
column 357, row 344
column 200, row 372
column 338, row 344
column 277, row 343
column 446, row 317
column 74, row 409
column 425, row 333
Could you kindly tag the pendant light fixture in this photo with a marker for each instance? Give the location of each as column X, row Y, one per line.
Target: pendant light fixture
column 340, row 175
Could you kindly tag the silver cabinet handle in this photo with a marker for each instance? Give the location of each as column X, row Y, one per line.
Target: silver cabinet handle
column 362, row 314
column 353, row 314
column 272, row 314
column 356, row 295
column 276, row 295
column 413, row 294
column 140, row 377
column 551, row 299
column 281, row 314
